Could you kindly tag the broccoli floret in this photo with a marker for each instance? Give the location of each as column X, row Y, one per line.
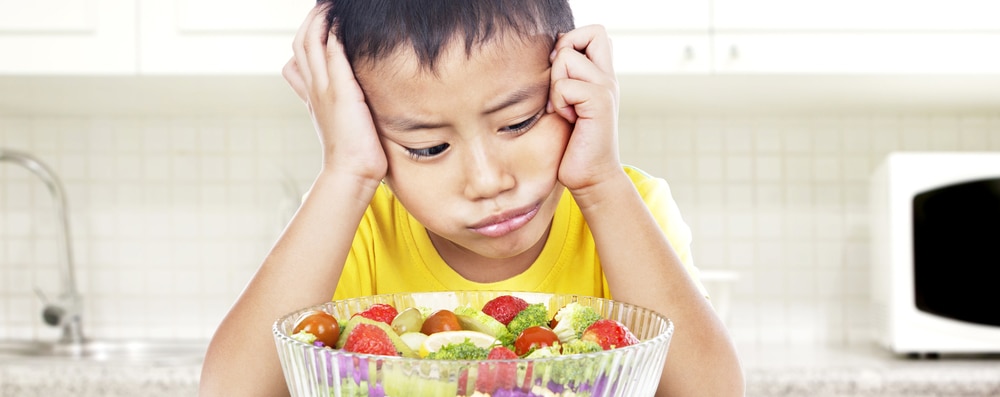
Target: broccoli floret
column 535, row 314
column 573, row 319
column 460, row 351
column 304, row 337
column 578, row 371
column 544, row 352
column 579, row 346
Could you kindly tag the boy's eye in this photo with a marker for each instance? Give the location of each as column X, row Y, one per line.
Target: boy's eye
column 524, row 125
column 428, row 152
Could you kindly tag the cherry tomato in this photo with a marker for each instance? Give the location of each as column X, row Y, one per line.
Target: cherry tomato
column 535, row 337
column 321, row 324
column 441, row 320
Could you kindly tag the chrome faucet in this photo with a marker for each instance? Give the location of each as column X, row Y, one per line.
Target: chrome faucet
column 65, row 310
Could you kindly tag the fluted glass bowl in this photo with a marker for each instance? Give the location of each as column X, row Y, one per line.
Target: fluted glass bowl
column 629, row 372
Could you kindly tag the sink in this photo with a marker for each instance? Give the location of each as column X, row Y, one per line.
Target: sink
column 165, row 352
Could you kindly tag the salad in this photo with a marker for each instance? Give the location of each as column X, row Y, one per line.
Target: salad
column 491, row 338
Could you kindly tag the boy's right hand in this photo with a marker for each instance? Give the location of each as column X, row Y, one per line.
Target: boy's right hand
column 322, row 77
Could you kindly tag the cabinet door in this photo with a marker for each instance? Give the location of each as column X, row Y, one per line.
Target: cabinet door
column 661, row 53
column 869, row 15
column 653, row 37
column 218, row 36
column 67, row 37
column 858, row 53
column 645, row 15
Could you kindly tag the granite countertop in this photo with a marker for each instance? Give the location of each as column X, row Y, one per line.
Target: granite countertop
column 861, row 371
column 779, row 371
column 104, row 379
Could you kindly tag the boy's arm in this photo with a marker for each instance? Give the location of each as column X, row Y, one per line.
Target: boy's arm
column 639, row 263
column 305, row 264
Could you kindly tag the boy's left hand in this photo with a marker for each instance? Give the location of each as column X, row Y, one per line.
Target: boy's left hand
column 584, row 91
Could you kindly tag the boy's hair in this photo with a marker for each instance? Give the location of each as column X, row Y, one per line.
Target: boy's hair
column 373, row 29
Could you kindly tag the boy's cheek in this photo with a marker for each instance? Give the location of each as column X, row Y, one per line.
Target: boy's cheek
column 559, row 129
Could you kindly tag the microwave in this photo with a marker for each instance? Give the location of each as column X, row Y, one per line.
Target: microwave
column 935, row 252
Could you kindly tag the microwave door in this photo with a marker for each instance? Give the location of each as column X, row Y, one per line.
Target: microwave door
column 956, row 251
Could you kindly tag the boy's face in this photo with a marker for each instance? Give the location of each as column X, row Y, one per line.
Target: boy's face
column 472, row 153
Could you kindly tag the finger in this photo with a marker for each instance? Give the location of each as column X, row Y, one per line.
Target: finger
column 315, row 49
column 298, row 44
column 293, row 76
column 575, row 99
column 340, row 72
column 593, row 41
column 570, row 64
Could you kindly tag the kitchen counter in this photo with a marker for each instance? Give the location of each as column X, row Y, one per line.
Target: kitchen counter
column 771, row 372
column 861, row 371
column 99, row 379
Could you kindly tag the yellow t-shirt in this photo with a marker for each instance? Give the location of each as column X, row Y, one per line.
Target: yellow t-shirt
column 392, row 253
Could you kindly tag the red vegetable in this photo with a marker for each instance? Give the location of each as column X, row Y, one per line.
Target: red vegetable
column 533, row 338
column 320, row 324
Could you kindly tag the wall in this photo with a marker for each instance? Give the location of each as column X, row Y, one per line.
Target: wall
column 171, row 216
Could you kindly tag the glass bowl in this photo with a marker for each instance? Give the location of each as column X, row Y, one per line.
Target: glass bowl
column 630, row 371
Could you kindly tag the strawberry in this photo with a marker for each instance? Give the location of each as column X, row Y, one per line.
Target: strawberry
column 609, row 334
column 379, row 312
column 369, row 339
column 501, row 353
column 503, row 308
column 495, row 376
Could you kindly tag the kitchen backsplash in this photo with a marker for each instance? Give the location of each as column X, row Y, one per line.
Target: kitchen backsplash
column 171, row 216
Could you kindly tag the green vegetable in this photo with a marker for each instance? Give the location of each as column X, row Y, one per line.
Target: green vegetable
column 579, row 346
column 535, row 314
column 573, row 319
column 482, row 322
column 460, row 351
column 305, row 337
column 545, row 352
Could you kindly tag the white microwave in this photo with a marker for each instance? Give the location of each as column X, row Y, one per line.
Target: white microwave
column 935, row 252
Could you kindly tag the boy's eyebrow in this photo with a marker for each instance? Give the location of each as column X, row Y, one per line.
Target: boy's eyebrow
column 404, row 124
column 518, row 96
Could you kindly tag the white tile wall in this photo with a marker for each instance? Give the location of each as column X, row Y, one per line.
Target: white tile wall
column 170, row 216
column 783, row 201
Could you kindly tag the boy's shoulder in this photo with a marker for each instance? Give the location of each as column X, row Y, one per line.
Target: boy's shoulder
column 641, row 178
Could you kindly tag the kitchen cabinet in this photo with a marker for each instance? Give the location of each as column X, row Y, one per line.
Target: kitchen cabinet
column 653, row 37
column 855, row 37
column 87, row 37
column 794, row 37
column 856, row 15
column 183, row 37
column 852, row 53
column 148, row 37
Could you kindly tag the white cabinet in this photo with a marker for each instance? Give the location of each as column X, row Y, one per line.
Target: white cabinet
column 85, row 37
column 217, row 36
column 644, row 15
column 677, row 53
column 856, row 15
column 653, row 37
column 918, row 53
column 796, row 37
column 856, row 37
column 659, row 37
column 148, row 37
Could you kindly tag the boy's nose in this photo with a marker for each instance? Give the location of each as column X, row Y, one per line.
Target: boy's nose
column 485, row 174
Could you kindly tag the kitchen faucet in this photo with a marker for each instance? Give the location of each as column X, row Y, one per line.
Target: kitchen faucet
column 65, row 311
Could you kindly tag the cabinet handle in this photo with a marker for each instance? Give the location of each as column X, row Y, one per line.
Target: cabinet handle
column 688, row 53
column 734, row 52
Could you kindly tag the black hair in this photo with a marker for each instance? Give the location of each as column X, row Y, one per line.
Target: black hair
column 373, row 29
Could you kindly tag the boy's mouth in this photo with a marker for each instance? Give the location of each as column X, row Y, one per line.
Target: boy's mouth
column 504, row 223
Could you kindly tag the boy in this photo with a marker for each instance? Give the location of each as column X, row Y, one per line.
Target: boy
column 469, row 145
